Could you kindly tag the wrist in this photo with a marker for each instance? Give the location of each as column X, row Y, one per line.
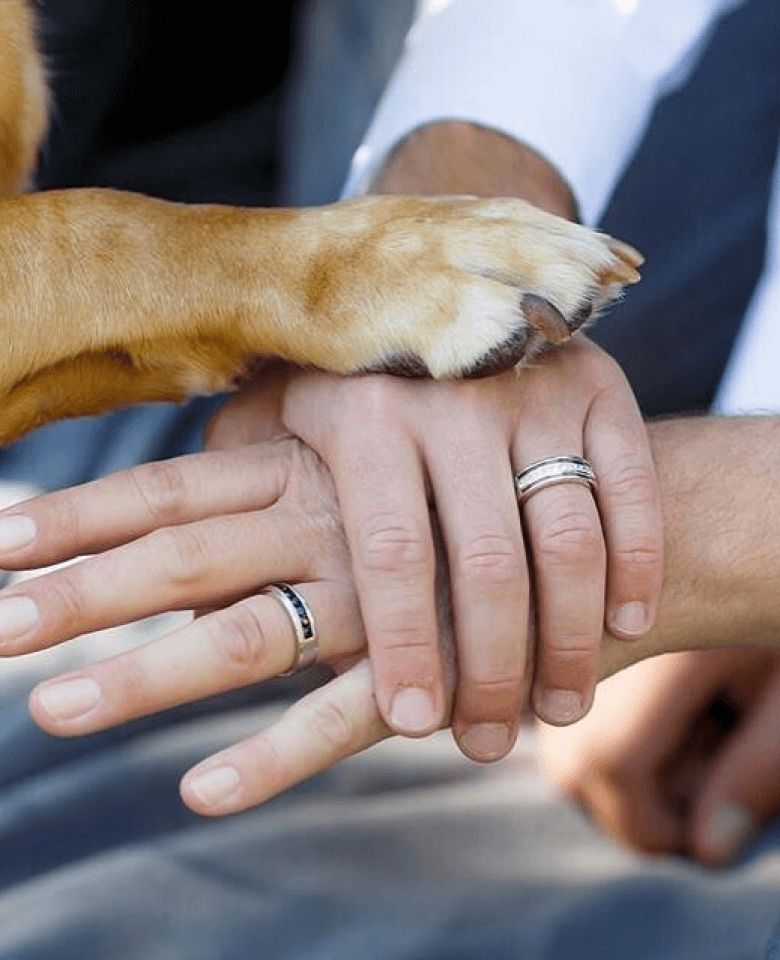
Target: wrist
column 721, row 577
column 453, row 157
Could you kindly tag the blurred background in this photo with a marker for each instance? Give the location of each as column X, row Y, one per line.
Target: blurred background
column 241, row 103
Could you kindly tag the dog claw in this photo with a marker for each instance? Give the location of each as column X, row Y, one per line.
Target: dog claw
column 622, row 273
column 546, row 319
column 626, row 252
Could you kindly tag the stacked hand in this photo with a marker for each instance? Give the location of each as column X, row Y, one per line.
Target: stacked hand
column 211, row 530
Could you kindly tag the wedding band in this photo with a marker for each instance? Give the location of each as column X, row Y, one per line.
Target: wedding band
column 302, row 621
column 552, row 471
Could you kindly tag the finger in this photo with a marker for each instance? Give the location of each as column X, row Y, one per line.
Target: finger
column 176, row 568
column 246, row 643
column 477, row 509
column 334, row 722
column 742, row 788
column 389, row 533
column 102, row 514
column 563, row 530
column 617, row 445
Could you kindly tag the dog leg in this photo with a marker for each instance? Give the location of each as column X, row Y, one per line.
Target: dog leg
column 191, row 297
column 196, row 294
column 91, row 383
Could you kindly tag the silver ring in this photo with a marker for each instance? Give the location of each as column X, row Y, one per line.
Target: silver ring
column 552, row 471
column 302, row 620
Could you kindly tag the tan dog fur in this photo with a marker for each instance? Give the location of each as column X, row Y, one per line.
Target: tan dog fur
column 111, row 298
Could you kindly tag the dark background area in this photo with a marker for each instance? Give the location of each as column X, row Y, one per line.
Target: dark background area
column 171, row 98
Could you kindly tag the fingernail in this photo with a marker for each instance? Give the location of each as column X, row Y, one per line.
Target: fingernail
column 412, row 711
column 560, row 706
column 16, row 532
column 486, row 741
column 729, row 829
column 69, row 699
column 216, row 785
column 17, row 616
column 632, row 619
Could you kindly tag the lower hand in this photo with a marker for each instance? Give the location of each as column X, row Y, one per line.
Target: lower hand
column 679, row 754
column 192, row 532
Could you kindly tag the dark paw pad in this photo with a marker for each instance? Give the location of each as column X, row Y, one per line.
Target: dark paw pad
column 500, row 358
column 401, row 365
column 580, row 317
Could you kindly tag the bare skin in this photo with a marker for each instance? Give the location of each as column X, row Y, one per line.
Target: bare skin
column 167, row 536
column 456, row 447
column 680, row 754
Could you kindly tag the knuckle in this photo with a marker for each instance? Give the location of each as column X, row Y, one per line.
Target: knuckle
column 162, row 489
column 69, row 599
column 133, row 682
column 373, row 400
column 182, row 554
column 63, row 519
column 572, row 537
column 602, row 370
column 240, row 639
column 641, row 554
column 400, row 638
column 631, row 482
column 565, row 649
column 500, row 688
column 266, row 764
column 330, row 722
column 389, row 543
column 491, row 559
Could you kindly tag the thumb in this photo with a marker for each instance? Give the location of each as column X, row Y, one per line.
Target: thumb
column 741, row 791
column 252, row 415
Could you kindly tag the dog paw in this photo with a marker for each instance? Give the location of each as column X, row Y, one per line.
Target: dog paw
column 453, row 287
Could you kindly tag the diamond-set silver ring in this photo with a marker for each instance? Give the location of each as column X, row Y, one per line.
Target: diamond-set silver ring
column 550, row 472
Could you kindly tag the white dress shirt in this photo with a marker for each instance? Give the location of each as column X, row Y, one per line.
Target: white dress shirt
column 589, row 74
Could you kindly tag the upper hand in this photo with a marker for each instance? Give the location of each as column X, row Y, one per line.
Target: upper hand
column 394, row 446
column 680, row 754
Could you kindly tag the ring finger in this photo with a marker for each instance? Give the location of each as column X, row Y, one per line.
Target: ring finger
column 248, row 642
column 564, row 533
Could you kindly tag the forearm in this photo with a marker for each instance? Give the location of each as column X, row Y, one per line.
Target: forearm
column 722, row 519
column 453, row 157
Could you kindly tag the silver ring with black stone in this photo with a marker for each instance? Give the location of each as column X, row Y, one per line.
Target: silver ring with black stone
column 302, row 620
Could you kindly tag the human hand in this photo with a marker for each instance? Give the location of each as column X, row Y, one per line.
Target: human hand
column 204, row 531
column 395, row 445
column 679, row 754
